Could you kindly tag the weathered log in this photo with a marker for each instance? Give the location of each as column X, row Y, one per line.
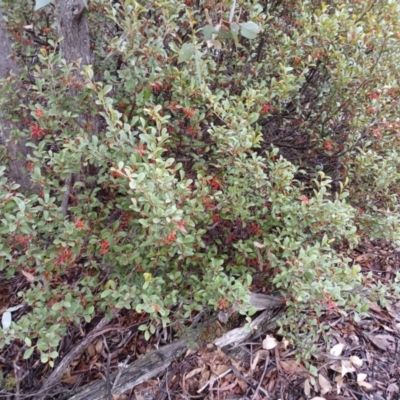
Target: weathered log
column 154, row 363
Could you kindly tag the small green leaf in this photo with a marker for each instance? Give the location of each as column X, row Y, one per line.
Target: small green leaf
column 253, row 117
column 44, row 358
column 249, row 30
column 28, row 353
column 208, row 31
column 107, row 89
column 105, row 293
column 53, row 354
column 186, row 52
column 56, row 306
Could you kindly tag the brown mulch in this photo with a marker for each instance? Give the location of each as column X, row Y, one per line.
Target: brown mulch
column 361, row 362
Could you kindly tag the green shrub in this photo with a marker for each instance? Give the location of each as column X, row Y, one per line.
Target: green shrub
column 216, row 144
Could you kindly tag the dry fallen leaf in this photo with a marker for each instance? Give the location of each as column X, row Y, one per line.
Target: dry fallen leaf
column 194, row 372
column 393, row 311
column 292, row 367
column 318, row 398
column 339, row 383
column 99, row 346
column 391, row 389
column 29, row 277
column 269, row 343
column 347, row 367
column 374, row 307
column 307, row 387
column 259, row 245
column 337, row 349
column 91, row 350
column 336, row 366
column 361, row 381
column 361, row 377
column 342, row 367
column 325, row 384
column 220, row 369
column 285, row 343
column 356, row 361
column 383, row 342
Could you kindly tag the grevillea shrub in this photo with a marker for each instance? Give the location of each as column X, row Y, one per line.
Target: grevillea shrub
column 219, row 140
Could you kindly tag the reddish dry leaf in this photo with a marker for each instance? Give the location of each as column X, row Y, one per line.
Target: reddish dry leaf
column 29, row 277
column 71, row 379
column 292, row 367
column 375, row 307
column 91, row 350
column 99, row 346
column 193, row 373
column 393, row 311
column 205, row 375
column 220, row 369
column 243, row 385
column 383, row 342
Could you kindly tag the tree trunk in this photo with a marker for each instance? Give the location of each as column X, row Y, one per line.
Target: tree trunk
column 15, row 147
column 73, row 27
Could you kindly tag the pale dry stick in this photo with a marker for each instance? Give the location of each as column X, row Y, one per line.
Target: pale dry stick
column 16, row 373
column 239, row 375
column 108, row 370
column 213, row 379
column 121, row 366
column 261, row 379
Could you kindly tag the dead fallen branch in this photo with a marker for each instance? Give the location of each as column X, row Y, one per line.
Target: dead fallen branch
column 154, row 363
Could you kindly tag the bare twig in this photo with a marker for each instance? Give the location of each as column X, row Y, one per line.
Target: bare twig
column 108, row 370
column 64, row 204
column 255, row 395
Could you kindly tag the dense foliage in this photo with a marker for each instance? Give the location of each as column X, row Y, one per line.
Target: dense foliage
column 208, row 141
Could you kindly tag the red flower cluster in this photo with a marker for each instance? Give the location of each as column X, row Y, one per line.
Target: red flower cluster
column 171, row 237
column 79, row 224
column 104, row 247
column 37, row 132
column 39, row 112
column 305, row 199
column 141, row 149
column 215, row 184
column 328, row 145
column 266, row 108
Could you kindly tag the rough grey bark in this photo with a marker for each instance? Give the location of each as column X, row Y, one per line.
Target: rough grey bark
column 16, row 148
column 73, row 27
